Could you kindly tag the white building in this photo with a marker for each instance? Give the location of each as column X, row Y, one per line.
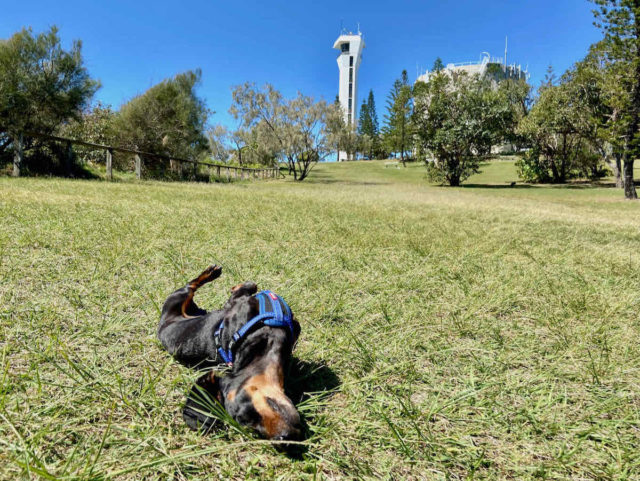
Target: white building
column 496, row 68
column 350, row 46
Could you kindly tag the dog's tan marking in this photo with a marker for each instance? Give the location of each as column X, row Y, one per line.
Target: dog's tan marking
column 268, row 384
column 235, row 288
column 196, row 283
column 232, row 395
column 187, row 301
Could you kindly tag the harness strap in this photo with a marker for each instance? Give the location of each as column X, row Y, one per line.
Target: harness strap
column 276, row 317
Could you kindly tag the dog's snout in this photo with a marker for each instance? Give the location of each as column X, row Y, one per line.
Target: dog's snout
column 287, row 440
column 291, row 434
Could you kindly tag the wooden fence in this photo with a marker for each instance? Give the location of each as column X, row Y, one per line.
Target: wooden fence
column 223, row 172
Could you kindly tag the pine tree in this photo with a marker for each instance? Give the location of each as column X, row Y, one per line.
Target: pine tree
column 620, row 22
column 368, row 125
column 375, row 127
column 397, row 129
column 437, row 65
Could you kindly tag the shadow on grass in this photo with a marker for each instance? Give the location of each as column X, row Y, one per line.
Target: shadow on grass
column 305, row 381
column 306, row 377
column 577, row 185
column 327, row 179
column 499, row 186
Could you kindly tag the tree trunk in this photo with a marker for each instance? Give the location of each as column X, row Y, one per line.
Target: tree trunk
column 615, row 164
column 618, row 172
column 555, row 175
column 17, row 154
column 629, row 186
column 69, row 160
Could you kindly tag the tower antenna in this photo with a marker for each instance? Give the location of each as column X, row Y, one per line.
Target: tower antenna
column 506, row 39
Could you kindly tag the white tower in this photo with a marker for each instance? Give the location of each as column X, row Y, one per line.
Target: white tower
column 350, row 46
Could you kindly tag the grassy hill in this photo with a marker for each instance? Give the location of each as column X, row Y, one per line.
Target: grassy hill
column 482, row 332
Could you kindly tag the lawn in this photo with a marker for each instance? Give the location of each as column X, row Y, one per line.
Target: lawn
column 480, row 332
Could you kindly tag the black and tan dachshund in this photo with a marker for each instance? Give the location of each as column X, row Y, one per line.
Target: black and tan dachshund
column 253, row 391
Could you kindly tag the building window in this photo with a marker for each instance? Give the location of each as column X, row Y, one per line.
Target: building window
column 350, row 90
column 345, row 47
column 351, row 61
column 351, row 75
column 349, row 119
column 349, row 105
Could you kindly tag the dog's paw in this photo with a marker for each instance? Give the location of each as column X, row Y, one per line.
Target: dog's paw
column 209, row 274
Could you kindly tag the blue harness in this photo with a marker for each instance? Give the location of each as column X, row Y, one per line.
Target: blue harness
column 274, row 312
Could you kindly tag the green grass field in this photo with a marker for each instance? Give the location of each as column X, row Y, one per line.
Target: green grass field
column 480, row 332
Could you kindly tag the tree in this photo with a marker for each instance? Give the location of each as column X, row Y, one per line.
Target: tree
column 516, row 93
column 397, row 132
column 95, row 125
column 368, row 127
column 41, row 84
column 553, row 130
column 594, row 80
column 167, row 119
column 365, row 124
column 458, row 118
column 620, row 22
column 218, row 136
column 239, row 140
column 295, row 130
column 437, row 65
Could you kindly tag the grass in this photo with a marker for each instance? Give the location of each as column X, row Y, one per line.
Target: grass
column 480, row 332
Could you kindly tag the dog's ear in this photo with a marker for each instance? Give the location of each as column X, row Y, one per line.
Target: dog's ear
column 245, row 289
column 296, row 329
column 203, row 403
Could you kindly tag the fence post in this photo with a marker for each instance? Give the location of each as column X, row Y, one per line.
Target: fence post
column 17, row 154
column 218, row 172
column 69, row 158
column 109, row 164
column 195, row 170
column 138, row 167
column 228, row 174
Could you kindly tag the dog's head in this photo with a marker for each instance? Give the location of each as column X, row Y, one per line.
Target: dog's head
column 253, row 392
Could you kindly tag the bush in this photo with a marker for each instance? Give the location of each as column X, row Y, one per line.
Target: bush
column 531, row 169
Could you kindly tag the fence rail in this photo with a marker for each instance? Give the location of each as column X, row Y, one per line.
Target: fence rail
column 221, row 171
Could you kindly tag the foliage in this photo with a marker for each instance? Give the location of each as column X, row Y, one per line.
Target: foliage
column 341, row 136
column 294, row 130
column 218, row 137
column 620, row 22
column 168, row 119
column 457, row 119
column 397, row 132
column 438, row 65
column 567, row 127
column 368, row 128
column 42, row 85
column 552, row 127
column 531, row 168
column 95, row 125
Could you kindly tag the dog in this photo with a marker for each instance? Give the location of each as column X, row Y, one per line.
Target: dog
column 256, row 347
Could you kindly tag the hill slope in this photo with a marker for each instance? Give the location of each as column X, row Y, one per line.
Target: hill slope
column 479, row 331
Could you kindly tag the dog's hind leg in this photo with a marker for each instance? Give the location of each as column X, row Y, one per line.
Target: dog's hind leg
column 180, row 305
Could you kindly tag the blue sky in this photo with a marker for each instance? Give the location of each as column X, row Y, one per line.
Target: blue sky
column 131, row 45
